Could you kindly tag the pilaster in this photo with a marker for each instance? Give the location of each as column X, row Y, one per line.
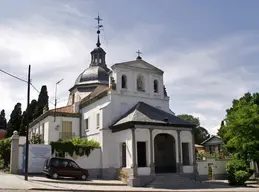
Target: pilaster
column 180, row 164
column 134, row 164
column 152, row 165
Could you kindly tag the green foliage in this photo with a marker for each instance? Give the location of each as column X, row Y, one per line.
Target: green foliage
column 240, row 132
column 76, row 145
column 15, row 120
column 200, row 133
column 199, row 156
column 5, row 151
column 3, row 122
column 241, row 177
column 36, row 139
column 238, row 172
column 27, row 117
column 43, row 101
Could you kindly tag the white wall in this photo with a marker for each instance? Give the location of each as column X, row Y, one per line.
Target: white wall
column 93, row 161
column 52, row 129
column 219, row 166
column 90, row 112
column 115, row 154
column 20, row 161
column 186, row 137
column 132, row 71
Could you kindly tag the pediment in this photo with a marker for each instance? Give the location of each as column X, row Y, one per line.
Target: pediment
column 140, row 64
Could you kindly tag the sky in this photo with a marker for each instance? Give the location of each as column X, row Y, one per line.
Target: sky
column 209, row 50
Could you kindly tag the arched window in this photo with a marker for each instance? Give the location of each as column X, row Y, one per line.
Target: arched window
column 140, row 83
column 124, row 81
column 155, row 86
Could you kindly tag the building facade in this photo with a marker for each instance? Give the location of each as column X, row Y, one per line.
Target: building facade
column 126, row 109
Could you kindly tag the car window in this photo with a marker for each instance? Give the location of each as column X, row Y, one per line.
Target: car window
column 64, row 163
column 54, row 162
column 73, row 165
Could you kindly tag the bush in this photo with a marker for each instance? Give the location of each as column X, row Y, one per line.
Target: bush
column 241, row 177
column 5, row 151
column 238, row 172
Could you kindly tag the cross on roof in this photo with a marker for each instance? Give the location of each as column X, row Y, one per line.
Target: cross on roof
column 98, row 21
column 139, row 53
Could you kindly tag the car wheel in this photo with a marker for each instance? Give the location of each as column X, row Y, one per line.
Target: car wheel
column 83, row 177
column 55, row 176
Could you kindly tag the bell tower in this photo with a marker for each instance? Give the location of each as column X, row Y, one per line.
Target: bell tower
column 98, row 54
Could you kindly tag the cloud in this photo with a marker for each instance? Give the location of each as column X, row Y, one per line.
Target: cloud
column 201, row 78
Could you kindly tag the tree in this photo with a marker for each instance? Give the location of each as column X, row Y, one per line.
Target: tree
column 3, row 122
column 43, row 100
column 28, row 116
column 240, row 132
column 15, row 120
column 200, row 133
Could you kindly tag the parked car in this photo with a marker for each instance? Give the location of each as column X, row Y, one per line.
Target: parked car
column 55, row 167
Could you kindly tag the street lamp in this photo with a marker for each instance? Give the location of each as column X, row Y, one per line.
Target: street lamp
column 56, row 98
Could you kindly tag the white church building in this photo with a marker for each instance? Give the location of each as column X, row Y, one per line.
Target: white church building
column 126, row 109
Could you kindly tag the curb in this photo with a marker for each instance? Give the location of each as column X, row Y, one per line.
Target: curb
column 80, row 183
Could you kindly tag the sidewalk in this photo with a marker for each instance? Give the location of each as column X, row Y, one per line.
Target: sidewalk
column 17, row 182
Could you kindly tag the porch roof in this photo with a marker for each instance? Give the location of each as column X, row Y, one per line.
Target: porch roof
column 144, row 114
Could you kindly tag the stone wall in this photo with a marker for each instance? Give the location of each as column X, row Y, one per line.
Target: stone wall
column 218, row 168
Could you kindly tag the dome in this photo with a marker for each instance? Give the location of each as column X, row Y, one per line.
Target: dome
column 93, row 74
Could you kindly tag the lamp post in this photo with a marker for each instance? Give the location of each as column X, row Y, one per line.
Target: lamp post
column 56, row 98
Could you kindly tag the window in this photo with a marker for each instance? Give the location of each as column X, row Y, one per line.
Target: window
column 73, row 165
column 142, row 154
column 212, row 149
column 86, row 125
column 66, row 132
column 123, row 155
column 98, row 120
column 73, row 98
column 140, row 83
column 219, row 148
column 155, row 86
column 123, row 81
column 185, row 152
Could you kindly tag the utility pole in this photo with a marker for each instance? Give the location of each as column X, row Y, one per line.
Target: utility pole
column 27, row 127
column 56, row 98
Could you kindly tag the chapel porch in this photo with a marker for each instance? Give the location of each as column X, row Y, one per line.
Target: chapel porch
column 156, row 142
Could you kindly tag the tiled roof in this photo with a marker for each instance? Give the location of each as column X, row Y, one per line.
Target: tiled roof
column 143, row 113
column 98, row 92
column 65, row 109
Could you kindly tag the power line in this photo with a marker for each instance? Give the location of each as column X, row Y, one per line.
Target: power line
column 13, row 76
column 18, row 78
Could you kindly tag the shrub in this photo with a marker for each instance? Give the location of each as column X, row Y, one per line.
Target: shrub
column 241, row 177
column 78, row 146
column 5, row 151
column 238, row 172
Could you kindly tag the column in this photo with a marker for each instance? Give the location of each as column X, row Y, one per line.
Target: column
column 179, row 167
column 134, row 164
column 14, row 153
column 195, row 171
column 152, row 165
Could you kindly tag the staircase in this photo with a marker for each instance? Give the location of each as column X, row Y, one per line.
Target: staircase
column 175, row 181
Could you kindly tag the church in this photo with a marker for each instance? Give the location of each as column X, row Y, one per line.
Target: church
column 126, row 109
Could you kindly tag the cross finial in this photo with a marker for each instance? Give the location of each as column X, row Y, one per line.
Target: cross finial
column 139, row 53
column 99, row 26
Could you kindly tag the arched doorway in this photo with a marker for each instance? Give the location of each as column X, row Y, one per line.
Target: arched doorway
column 165, row 153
